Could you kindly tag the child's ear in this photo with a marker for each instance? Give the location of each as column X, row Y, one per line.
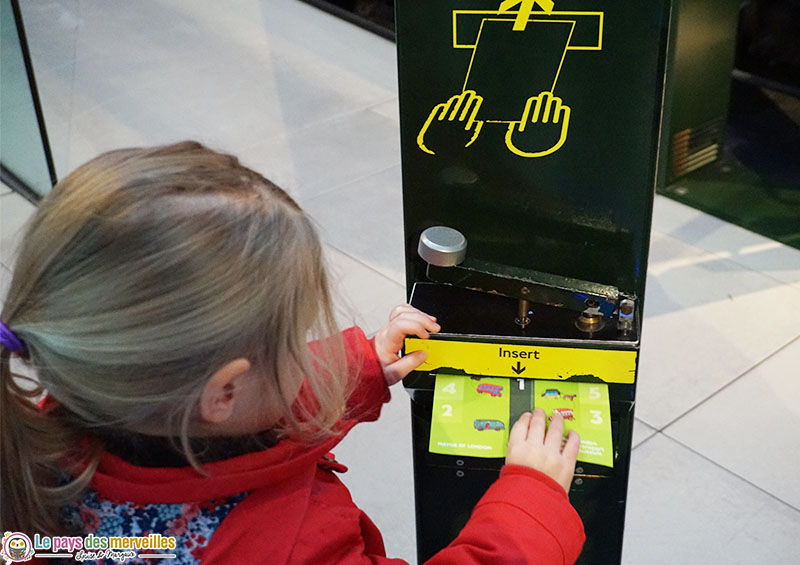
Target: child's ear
column 218, row 398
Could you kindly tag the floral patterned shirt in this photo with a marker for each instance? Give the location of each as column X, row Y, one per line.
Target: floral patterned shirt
column 192, row 524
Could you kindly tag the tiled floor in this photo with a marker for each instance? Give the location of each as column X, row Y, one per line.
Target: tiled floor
column 311, row 102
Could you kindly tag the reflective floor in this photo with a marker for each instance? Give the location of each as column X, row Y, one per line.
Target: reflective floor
column 311, row 102
column 756, row 182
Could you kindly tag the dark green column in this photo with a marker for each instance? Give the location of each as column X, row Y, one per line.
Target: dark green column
column 532, row 128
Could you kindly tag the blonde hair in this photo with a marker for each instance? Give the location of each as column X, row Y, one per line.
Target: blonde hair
column 140, row 274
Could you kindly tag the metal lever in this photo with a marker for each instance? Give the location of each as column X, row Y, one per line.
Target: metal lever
column 444, row 249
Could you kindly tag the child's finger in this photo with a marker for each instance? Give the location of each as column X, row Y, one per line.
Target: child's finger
column 399, row 309
column 407, row 308
column 423, row 313
column 555, row 433
column 537, row 426
column 519, row 431
column 423, row 319
column 572, row 446
column 402, row 327
column 396, row 371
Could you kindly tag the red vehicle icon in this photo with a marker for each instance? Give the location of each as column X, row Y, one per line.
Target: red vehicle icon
column 494, row 390
column 567, row 413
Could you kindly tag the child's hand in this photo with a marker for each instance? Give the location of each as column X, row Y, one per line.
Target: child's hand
column 529, row 446
column 404, row 320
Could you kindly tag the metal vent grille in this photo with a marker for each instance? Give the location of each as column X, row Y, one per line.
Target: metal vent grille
column 694, row 147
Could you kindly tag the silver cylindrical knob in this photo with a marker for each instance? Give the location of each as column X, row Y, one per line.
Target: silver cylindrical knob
column 442, row 246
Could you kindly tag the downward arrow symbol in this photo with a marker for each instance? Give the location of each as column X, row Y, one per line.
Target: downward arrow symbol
column 519, row 369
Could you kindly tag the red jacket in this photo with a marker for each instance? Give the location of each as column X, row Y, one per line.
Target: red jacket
column 298, row 511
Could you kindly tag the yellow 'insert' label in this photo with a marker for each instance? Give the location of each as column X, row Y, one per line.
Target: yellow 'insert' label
column 526, row 361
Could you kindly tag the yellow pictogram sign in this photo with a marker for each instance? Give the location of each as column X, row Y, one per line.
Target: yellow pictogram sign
column 526, row 361
column 518, row 51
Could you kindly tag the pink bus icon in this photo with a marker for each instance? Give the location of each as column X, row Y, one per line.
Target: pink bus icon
column 494, row 390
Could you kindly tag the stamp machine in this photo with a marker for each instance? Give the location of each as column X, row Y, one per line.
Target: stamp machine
column 530, row 139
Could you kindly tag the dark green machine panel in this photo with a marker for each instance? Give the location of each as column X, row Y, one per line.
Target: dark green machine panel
column 531, row 127
column 698, row 90
column 572, row 197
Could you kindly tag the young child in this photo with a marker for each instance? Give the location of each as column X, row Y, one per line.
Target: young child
column 166, row 298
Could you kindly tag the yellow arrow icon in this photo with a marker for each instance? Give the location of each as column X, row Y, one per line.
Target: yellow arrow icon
column 525, row 10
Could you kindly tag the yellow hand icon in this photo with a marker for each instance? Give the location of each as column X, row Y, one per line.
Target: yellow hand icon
column 461, row 108
column 542, row 109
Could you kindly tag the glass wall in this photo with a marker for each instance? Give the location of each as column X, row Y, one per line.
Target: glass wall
column 23, row 144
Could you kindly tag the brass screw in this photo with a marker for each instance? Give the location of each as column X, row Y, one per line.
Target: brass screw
column 523, row 317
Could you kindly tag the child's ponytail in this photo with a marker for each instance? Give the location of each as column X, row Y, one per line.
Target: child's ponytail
column 34, row 440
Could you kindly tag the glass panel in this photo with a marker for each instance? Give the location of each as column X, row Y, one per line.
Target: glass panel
column 22, row 150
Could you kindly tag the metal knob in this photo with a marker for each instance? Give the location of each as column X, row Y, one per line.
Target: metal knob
column 442, row 246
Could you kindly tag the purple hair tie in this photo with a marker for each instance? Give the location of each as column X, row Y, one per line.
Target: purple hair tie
column 9, row 339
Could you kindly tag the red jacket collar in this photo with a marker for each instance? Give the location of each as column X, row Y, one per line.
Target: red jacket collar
column 288, row 461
